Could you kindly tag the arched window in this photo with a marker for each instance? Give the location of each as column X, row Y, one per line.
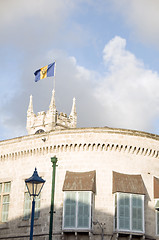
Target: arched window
column 39, row 131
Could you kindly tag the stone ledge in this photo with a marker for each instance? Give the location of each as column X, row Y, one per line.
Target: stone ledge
column 4, row 225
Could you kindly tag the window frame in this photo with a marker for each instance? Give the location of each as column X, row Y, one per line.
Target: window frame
column 116, row 213
column 37, row 207
column 76, row 228
column 2, row 204
column 156, row 217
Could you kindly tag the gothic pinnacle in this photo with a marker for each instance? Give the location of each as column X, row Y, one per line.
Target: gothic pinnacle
column 30, row 108
column 73, row 111
column 52, row 103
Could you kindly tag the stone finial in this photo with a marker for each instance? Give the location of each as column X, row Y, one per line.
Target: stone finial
column 73, row 111
column 30, row 115
column 73, row 114
column 30, row 108
column 52, row 106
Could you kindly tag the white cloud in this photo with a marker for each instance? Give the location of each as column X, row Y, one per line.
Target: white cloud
column 116, row 56
column 31, row 26
column 129, row 91
column 142, row 16
column 125, row 95
column 72, row 80
column 32, row 35
column 45, row 9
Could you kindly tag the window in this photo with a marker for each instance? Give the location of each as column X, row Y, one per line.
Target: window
column 156, row 197
column 28, row 205
column 157, row 215
column 4, row 200
column 157, row 222
column 39, row 131
column 77, row 210
column 129, row 212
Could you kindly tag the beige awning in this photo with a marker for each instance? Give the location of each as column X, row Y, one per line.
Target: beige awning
column 80, row 181
column 128, row 183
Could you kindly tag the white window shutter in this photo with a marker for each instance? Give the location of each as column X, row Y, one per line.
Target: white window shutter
column 27, row 206
column 37, row 207
column 83, row 209
column 5, row 208
column 157, row 222
column 137, row 213
column 124, row 211
column 70, row 210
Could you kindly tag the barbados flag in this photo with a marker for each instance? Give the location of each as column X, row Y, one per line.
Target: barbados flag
column 44, row 72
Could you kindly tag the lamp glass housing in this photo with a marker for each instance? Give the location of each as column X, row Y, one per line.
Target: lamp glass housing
column 34, row 184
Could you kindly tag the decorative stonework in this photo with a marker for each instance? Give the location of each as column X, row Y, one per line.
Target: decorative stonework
column 51, row 120
column 83, row 147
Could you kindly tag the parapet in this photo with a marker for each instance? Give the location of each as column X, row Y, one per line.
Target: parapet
column 51, row 120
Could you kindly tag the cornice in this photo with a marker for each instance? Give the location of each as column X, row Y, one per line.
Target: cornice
column 80, row 147
column 108, row 130
column 85, row 145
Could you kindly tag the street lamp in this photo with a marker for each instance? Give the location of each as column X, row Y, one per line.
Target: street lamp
column 34, row 185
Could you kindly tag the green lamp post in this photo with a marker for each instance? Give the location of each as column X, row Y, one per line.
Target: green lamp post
column 54, row 165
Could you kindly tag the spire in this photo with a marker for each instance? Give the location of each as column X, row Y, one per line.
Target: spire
column 30, row 108
column 73, row 111
column 52, row 106
column 73, row 114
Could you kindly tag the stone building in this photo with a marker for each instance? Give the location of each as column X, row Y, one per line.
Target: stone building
column 107, row 180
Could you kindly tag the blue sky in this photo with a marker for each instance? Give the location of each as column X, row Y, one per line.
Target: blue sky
column 107, row 54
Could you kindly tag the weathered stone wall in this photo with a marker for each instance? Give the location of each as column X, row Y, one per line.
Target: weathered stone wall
column 101, row 149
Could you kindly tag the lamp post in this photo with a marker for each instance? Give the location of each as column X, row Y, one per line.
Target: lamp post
column 34, row 185
column 54, row 162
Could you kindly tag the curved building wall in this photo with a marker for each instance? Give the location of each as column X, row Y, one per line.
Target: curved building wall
column 78, row 150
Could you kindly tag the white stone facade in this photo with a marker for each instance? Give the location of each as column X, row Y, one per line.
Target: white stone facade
column 79, row 150
column 102, row 150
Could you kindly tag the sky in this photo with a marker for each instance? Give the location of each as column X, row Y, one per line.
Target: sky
column 107, row 57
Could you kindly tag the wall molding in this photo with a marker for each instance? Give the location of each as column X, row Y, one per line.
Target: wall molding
column 81, row 147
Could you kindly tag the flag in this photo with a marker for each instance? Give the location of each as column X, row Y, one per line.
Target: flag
column 44, row 72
